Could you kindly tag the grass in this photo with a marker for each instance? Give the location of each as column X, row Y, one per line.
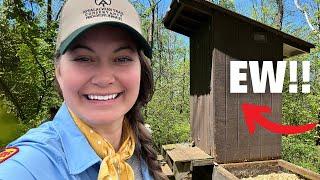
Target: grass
column 10, row 128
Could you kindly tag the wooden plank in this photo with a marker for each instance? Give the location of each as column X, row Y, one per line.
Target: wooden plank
column 160, row 158
column 183, row 157
column 174, row 146
column 166, row 170
column 201, row 162
column 232, row 108
column 255, row 139
column 202, row 141
column 195, row 120
column 299, row 170
column 279, row 162
column 239, row 165
column 222, row 173
column 219, row 86
column 276, row 117
column 186, row 154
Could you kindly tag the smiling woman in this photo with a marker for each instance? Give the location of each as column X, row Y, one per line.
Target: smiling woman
column 100, row 81
column 104, row 76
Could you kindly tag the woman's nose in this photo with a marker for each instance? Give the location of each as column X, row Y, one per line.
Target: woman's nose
column 103, row 76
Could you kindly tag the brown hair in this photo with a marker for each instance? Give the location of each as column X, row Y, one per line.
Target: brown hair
column 144, row 146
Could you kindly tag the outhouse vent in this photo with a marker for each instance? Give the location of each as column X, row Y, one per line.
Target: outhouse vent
column 260, row 37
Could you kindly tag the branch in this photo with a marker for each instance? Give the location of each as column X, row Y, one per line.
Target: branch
column 44, row 73
column 59, row 12
column 297, row 3
column 12, row 98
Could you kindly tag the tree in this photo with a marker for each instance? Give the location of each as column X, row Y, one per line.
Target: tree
column 26, row 76
column 168, row 112
column 229, row 4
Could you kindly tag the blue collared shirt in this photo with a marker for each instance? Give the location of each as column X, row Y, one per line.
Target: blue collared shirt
column 55, row 150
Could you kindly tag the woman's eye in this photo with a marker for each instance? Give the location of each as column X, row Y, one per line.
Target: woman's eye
column 83, row 59
column 123, row 59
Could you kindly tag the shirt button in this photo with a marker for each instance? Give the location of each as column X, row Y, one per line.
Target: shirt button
column 99, row 142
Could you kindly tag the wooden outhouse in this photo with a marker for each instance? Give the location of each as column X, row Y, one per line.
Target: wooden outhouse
column 218, row 36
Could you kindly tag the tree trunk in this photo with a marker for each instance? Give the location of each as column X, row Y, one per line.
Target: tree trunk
column 183, row 83
column 49, row 13
column 279, row 17
column 152, row 23
column 318, row 11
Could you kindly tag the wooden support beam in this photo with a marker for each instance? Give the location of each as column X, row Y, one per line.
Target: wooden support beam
column 189, row 19
column 187, row 29
column 200, row 8
column 176, row 15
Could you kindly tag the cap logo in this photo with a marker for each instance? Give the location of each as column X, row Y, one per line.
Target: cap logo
column 102, row 2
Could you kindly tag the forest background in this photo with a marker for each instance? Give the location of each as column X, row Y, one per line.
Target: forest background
column 27, row 95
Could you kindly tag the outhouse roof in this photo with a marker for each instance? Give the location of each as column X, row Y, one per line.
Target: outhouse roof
column 184, row 15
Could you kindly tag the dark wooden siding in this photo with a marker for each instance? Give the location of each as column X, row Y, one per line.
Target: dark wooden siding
column 217, row 121
column 236, row 39
column 200, row 59
column 216, row 118
column 200, row 88
column 232, row 142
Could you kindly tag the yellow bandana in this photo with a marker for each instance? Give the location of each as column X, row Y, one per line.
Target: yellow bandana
column 113, row 166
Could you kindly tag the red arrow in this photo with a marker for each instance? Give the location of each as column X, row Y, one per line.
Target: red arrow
column 254, row 112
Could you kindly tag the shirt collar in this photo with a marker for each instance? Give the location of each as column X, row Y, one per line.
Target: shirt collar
column 79, row 154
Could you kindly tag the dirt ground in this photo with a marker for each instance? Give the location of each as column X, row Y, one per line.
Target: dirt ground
column 274, row 176
column 263, row 172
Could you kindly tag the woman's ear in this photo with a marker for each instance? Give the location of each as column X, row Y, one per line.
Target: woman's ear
column 57, row 79
column 57, row 72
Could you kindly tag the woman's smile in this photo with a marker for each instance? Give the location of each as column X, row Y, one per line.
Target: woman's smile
column 104, row 98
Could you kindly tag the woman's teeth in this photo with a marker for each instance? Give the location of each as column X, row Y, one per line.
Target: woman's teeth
column 103, row 98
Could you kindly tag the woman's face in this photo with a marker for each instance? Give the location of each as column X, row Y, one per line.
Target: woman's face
column 99, row 75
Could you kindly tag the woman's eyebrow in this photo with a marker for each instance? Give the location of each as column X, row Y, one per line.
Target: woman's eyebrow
column 124, row 48
column 79, row 46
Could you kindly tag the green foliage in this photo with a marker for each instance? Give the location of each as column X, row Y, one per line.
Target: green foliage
column 229, row 4
column 303, row 108
column 301, row 152
column 168, row 112
column 26, row 75
column 265, row 11
column 26, row 59
column 10, row 126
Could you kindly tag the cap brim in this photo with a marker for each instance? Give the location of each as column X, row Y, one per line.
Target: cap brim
column 142, row 43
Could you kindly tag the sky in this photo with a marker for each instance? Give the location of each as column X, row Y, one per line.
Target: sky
column 242, row 6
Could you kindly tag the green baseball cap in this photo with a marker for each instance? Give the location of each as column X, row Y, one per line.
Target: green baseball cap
column 77, row 16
